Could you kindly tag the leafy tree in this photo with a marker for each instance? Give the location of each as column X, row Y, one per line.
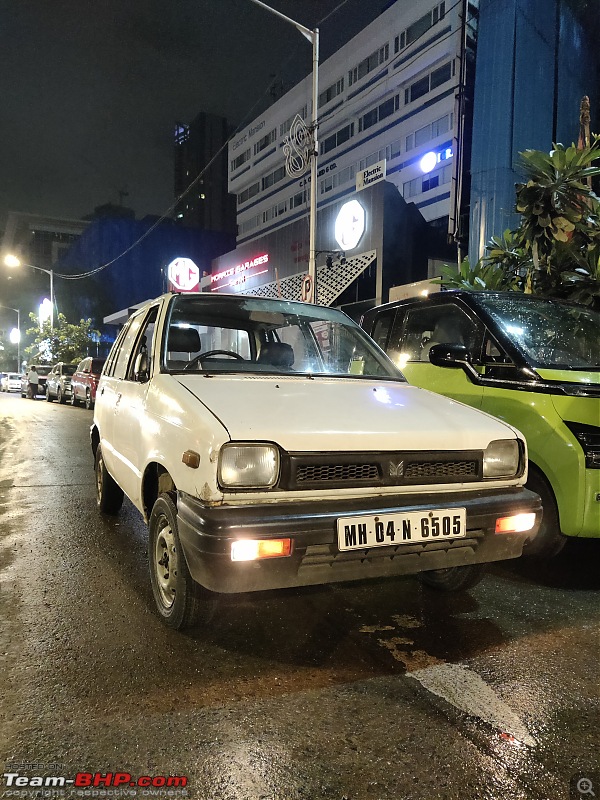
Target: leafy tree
column 555, row 251
column 65, row 342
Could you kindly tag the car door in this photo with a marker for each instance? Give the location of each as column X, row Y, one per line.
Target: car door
column 416, row 328
column 109, row 396
column 130, row 408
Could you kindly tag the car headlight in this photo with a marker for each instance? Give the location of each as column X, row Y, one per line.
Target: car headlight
column 501, row 459
column 248, row 466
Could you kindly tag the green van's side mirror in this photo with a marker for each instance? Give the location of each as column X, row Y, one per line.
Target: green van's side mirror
column 450, row 355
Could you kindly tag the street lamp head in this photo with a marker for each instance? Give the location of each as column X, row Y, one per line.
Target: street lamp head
column 11, row 261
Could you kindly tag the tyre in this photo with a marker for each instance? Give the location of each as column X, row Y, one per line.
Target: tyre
column 59, row 395
column 549, row 540
column 74, row 401
column 176, row 594
column 89, row 403
column 109, row 495
column 454, row 579
column 48, row 398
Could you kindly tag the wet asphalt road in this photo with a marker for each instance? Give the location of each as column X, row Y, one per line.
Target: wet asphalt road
column 378, row 691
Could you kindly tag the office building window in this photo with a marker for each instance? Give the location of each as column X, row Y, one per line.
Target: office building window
column 338, row 138
column 266, row 140
column 331, row 92
column 369, row 64
column 419, row 27
column 237, row 162
column 429, row 82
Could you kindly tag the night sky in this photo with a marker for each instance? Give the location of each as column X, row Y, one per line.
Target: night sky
column 90, row 91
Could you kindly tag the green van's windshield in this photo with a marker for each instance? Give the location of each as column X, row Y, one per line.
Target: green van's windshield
column 550, row 333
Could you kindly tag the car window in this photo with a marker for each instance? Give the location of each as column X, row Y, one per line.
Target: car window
column 550, row 333
column 69, row 369
column 423, row 326
column 144, row 343
column 126, row 347
column 382, row 326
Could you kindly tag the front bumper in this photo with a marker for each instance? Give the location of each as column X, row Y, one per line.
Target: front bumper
column 207, row 533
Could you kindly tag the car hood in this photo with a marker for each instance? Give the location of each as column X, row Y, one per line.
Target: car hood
column 342, row 414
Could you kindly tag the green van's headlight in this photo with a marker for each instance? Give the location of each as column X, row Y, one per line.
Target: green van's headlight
column 501, row 459
column 248, row 466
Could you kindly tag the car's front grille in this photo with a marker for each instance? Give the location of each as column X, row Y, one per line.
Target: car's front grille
column 325, row 473
column 346, row 470
column 441, row 469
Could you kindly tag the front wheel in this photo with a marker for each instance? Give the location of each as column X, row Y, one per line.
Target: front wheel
column 48, row 398
column 176, row 594
column 89, row 403
column 549, row 540
column 59, row 395
column 109, row 495
column 453, row 579
column 74, row 400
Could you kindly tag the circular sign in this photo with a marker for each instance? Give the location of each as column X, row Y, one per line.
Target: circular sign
column 183, row 274
column 428, row 162
column 350, row 225
column 307, row 289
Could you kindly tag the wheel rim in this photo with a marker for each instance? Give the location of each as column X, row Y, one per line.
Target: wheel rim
column 165, row 564
column 88, row 399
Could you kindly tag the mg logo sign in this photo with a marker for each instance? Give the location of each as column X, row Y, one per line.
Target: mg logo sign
column 350, row 225
column 183, row 275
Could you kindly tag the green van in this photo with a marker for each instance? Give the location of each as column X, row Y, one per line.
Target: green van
column 530, row 361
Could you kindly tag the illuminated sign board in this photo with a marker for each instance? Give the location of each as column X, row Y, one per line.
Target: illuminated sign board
column 240, row 273
column 371, row 175
column 183, row 275
column 350, row 225
column 432, row 159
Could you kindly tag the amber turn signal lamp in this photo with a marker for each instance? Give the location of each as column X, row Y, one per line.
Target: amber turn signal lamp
column 517, row 524
column 253, row 549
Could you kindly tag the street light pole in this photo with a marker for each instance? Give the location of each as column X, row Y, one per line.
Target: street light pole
column 13, row 261
column 313, row 37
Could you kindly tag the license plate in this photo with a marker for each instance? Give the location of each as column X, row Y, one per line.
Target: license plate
column 385, row 530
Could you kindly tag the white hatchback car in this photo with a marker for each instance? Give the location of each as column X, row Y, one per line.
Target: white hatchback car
column 11, row 382
column 271, row 443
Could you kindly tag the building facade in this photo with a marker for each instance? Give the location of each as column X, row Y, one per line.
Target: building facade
column 200, row 161
column 421, row 117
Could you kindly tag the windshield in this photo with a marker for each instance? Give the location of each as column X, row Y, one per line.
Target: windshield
column 69, row 369
column 550, row 333
column 252, row 335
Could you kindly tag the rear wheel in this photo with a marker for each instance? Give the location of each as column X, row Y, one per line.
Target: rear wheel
column 89, row 403
column 176, row 594
column 109, row 495
column 48, row 398
column 453, row 579
column 74, row 400
column 549, row 540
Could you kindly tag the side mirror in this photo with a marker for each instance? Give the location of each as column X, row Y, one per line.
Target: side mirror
column 450, row 355
column 140, row 367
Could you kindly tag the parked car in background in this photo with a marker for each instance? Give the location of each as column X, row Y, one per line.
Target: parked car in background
column 85, row 380
column 42, row 371
column 58, row 383
column 271, row 444
column 10, row 382
column 530, row 361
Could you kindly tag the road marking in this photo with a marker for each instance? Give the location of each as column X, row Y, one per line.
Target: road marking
column 467, row 691
column 455, row 683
